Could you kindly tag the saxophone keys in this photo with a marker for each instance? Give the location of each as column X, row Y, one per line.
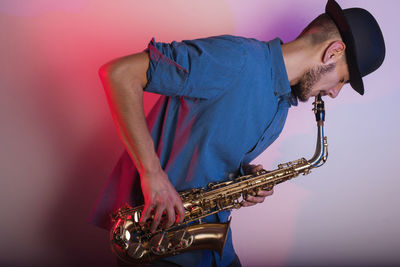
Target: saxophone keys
column 268, row 188
column 181, row 239
column 238, row 205
column 136, row 250
column 261, row 172
column 136, row 216
column 159, row 244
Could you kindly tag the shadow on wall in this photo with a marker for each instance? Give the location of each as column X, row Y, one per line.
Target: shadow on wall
column 87, row 165
column 61, row 112
column 80, row 243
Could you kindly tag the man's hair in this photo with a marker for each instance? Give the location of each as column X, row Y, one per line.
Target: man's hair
column 321, row 29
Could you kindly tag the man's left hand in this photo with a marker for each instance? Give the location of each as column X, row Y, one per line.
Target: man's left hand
column 262, row 194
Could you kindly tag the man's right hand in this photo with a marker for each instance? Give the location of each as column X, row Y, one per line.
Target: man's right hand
column 160, row 198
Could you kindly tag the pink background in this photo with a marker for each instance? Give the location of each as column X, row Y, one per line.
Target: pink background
column 59, row 144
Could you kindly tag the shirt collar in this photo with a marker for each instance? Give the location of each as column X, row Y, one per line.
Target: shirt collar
column 282, row 87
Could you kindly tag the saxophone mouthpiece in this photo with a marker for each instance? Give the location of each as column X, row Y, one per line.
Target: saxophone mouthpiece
column 319, row 109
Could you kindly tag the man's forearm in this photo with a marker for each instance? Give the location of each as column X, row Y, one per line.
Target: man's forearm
column 126, row 106
column 124, row 90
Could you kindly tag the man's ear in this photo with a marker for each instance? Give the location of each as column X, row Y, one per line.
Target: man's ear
column 333, row 52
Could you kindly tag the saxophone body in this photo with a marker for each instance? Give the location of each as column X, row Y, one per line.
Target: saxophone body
column 134, row 243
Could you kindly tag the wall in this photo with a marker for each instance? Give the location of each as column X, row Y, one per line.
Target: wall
column 58, row 142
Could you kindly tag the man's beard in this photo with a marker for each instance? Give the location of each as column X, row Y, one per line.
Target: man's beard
column 303, row 88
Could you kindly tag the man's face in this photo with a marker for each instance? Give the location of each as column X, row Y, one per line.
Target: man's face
column 323, row 79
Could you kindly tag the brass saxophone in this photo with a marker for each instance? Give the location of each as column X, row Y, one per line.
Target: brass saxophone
column 133, row 243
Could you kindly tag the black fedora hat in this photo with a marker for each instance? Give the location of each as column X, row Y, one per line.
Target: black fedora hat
column 365, row 47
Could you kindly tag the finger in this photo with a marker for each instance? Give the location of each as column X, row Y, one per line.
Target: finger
column 257, row 168
column 171, row 216
column 180, row 211
column 157, row 218
column 265, row 193
column 248, row 204
column 145, row 214
column 255, row 199
column 248, row 168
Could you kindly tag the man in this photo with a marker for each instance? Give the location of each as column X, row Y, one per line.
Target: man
column 224, row 100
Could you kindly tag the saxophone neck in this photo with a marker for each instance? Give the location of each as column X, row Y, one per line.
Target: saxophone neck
column 321, row 151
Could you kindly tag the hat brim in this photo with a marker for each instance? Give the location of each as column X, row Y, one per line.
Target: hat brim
column 336, row 13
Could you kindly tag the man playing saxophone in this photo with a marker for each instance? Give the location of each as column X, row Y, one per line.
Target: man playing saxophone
column 224, row 100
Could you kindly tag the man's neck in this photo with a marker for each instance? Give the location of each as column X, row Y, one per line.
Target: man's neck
column 298, row 56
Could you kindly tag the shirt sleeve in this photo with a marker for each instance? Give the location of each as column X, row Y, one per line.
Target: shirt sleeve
column 201, row 68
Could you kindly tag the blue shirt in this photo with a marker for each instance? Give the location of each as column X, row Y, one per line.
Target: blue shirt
column 224, row 101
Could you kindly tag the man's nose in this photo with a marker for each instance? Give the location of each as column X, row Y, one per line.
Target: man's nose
column 334, row 92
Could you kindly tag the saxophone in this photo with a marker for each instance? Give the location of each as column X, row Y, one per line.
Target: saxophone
column 134, row 243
